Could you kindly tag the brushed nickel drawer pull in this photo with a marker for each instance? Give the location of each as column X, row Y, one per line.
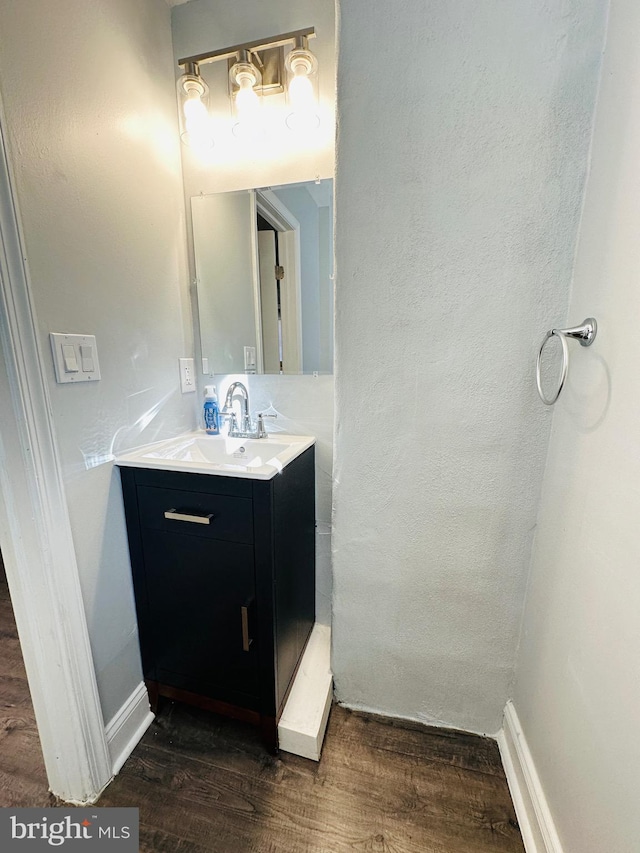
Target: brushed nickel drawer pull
column 174, row 515
column 246, row 642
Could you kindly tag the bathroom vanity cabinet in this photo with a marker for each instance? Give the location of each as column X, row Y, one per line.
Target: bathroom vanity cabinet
column 224, row 579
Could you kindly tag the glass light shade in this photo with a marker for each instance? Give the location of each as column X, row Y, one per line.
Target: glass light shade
column 246, row 101
column 302, row 66
column 195, row 123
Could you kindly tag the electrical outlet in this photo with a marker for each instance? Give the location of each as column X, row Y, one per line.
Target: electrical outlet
column 187, row 375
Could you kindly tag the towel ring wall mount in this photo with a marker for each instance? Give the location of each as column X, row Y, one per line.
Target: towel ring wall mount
column 585, row 334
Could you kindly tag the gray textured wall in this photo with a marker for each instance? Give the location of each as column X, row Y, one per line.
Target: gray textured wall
column 463, row 133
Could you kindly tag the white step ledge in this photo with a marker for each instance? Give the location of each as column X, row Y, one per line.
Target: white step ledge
column 304, row 720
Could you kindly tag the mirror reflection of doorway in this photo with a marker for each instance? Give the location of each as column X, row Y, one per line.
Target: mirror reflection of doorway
column 270, row 296
column 23, row 779
column 280, row 285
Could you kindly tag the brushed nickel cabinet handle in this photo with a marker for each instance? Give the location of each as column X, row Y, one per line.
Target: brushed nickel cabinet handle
column 246, row 641
column 174, row 515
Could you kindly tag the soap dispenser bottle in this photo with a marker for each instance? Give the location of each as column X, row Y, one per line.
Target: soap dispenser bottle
column 211, row 412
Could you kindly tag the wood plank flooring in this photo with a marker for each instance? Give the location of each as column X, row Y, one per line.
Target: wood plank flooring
column 23, row 780
column 205, row 784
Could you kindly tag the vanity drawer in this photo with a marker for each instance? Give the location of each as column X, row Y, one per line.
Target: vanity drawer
column 196, row 514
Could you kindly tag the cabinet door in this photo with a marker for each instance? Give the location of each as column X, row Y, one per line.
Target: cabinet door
column 200, row 595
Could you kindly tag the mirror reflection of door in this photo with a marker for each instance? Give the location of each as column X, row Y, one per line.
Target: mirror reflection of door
column 279, row 246
column 270, row 297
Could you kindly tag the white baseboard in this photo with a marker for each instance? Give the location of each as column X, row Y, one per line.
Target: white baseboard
column 304, row 720
column 126, row 727
column 534, row 816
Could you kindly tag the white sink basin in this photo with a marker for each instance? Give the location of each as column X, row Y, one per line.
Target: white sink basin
column 257, row 459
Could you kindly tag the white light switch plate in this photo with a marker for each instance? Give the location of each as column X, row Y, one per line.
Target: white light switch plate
column 75, row 357
column 250, row 359
column 187, row 375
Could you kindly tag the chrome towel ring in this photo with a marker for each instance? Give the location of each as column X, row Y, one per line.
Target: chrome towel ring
column 585, row 334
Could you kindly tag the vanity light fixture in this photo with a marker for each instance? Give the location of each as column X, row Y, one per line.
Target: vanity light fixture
column 256, row 69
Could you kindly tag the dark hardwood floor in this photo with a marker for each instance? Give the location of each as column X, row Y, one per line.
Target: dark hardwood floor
column 205, row 784
column 23, row 780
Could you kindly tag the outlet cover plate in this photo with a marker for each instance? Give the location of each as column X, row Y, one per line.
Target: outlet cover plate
column 187, row 375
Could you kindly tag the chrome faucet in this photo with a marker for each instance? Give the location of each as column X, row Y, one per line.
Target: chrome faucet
column 245, row 426
column 246, row 429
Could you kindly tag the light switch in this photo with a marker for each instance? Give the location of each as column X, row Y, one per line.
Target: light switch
column 86, row 356
column 70, row 360
column 250, row 359
column 75, row 357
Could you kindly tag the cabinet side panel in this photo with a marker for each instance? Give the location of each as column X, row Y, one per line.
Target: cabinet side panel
column 130, row 497
column 294, row 552
column 265, row 593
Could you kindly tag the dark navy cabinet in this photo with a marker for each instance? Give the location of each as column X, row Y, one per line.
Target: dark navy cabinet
column 224, row 579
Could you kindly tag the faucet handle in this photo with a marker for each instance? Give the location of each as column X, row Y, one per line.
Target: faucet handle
column 262, row 433
column 231, row 415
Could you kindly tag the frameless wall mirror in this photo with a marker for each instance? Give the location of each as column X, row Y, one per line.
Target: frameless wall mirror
column 264, row 268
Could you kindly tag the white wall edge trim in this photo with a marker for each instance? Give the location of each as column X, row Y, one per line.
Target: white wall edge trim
column 534, row 816
column 40, row 558
column 127, row 726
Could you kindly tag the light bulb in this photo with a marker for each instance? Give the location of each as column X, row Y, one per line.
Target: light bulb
column 195, row 113
column 247, row 100
column 302, row 64
column 304, row 116
column 195, row 122
column 301, row 92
